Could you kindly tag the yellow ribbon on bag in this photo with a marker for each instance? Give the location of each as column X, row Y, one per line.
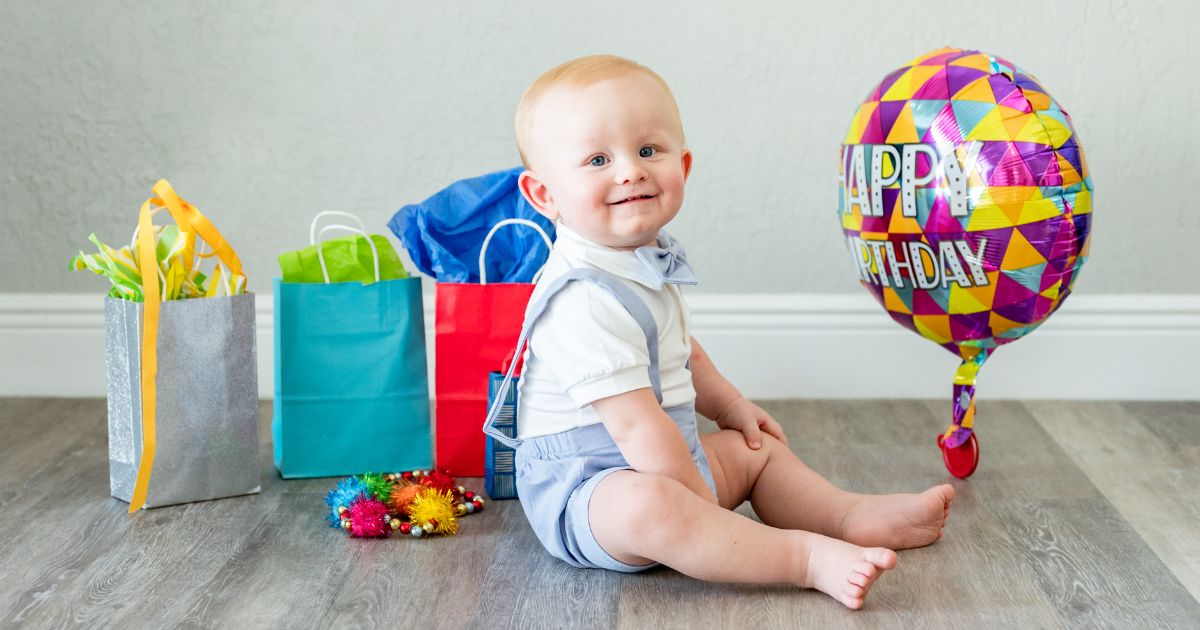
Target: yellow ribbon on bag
column 189, row 219
column 186, row 215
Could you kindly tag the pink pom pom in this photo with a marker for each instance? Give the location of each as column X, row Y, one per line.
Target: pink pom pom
column 367, row 518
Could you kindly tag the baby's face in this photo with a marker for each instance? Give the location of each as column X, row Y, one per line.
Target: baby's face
column 608, row 160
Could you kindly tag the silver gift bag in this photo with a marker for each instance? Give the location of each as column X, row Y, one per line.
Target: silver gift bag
column 207, row 412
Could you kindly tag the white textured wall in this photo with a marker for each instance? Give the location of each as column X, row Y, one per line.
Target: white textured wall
column 263, row 116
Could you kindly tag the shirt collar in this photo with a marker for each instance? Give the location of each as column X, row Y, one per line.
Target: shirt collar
column 619, row 262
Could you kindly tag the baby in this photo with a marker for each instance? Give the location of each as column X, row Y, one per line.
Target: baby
column 611, row 470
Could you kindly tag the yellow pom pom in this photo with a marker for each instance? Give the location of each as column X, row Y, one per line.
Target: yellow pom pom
column 434, row 506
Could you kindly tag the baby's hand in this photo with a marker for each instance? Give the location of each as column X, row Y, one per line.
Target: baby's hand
column 747, row 417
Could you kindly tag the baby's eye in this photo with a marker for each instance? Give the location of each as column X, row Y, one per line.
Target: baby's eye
column 598, row 160
column 647, row 152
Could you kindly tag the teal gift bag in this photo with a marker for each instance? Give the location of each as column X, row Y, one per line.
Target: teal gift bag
column 351, row 384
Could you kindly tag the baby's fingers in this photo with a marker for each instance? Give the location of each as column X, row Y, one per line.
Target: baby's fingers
column 753, row 435
column 772, row 428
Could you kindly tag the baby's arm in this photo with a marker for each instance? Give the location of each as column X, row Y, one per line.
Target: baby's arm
column 718, row 400
column 649, row 439
column 713, row 392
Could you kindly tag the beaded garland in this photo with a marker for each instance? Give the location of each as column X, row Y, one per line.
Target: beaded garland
column 413, row 503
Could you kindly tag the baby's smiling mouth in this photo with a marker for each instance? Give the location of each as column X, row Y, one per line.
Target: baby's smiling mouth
column 633, row 198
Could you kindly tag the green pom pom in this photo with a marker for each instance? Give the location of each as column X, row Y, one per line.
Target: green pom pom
column 377, row 486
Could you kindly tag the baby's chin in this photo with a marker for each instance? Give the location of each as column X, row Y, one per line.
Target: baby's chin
column 634, row 238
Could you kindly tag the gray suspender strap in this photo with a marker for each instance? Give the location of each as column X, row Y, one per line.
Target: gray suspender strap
column 632, row 303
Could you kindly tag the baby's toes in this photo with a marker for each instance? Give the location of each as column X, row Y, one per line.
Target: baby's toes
column 852, row 597
column 947, row 497
column 880, row 557
column 864, row 569
column 859, row 579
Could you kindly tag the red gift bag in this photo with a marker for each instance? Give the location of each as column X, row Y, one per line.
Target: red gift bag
column 476, row 328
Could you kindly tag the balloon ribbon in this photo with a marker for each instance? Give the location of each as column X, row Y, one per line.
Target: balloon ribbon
column 964, row 396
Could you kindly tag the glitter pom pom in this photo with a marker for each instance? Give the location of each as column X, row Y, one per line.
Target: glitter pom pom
column 402, row 497
column 440, row 481
column 342, row 495
column 377, row 485
column 368, row 518
column 416, row 503
column 435, row 507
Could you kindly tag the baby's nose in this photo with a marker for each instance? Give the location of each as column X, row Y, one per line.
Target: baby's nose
column 630, row 173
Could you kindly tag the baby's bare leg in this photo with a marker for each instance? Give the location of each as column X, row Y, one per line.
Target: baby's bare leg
column 783, row 490
column 787, row 493
column 638, row 518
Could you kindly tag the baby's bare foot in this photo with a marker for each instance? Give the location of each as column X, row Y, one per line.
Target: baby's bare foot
column 898, row 521
column 844, row 571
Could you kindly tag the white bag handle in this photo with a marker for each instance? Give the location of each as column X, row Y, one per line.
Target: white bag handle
column 312, row 228
column 347, row 228
column 492, row 232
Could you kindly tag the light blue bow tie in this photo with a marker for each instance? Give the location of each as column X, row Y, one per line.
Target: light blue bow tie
column 668, row 262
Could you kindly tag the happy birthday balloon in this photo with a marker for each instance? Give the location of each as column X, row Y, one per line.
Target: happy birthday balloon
column 966, row 204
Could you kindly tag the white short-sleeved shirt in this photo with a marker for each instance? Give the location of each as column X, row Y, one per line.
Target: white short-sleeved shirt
column 586, row 346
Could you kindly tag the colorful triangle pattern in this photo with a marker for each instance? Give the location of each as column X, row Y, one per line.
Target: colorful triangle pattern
column 1025, row 234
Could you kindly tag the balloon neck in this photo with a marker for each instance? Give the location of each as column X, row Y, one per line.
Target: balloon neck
column 969, row 368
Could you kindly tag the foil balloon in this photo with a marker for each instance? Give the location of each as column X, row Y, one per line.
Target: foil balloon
column 966, row 204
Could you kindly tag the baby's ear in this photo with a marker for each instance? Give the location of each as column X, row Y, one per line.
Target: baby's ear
column 536, row 193
column 687, row 163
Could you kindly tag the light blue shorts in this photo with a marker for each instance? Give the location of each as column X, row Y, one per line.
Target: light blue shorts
column 557, row 474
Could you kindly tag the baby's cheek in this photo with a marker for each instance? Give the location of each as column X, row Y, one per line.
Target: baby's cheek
column 676, row 180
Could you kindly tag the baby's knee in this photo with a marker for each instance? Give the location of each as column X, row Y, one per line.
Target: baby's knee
column 772, row 443
column 736, row 441
column 648, row 491
column 640, row 494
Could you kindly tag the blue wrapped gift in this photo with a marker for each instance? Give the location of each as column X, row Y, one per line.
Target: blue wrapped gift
column 499, row 474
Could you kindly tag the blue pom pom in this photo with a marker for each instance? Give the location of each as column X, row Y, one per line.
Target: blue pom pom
column 347, row 490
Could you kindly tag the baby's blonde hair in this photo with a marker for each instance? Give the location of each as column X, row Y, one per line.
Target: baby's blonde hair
column 579, row 72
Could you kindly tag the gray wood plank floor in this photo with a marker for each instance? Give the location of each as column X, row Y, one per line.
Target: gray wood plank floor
column 1081, row 515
